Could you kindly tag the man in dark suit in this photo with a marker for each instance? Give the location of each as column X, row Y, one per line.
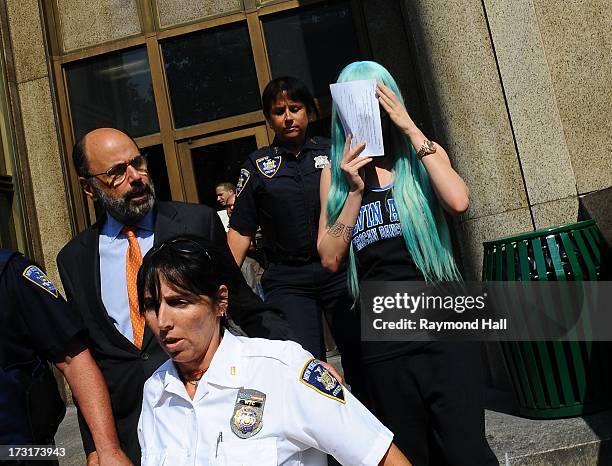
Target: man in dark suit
column 97, row 271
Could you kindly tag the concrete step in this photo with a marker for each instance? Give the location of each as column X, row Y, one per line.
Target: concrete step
column 579, row 441
column 69, row 437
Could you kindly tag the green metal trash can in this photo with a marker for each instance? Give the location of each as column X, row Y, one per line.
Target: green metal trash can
column 553, row 379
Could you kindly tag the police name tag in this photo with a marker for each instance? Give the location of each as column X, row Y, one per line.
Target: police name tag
column 38, row 277
column 315, row 376
column 268, row 166
column 248, row 412
column 321, row 161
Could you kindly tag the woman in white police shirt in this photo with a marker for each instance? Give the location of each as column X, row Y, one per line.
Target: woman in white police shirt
column 229, row 400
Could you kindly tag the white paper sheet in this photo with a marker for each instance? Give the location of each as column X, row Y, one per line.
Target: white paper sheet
column 359, row 113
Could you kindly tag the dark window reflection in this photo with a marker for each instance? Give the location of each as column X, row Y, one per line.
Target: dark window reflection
column 7, row 225
column 313, row 44
column 211, row 74
column 112, row 90
column 158, row 172
column 219, row 162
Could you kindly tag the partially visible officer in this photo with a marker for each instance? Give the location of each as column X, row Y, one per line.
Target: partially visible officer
column 36, row 326
column 224, row 191
column 278, row 189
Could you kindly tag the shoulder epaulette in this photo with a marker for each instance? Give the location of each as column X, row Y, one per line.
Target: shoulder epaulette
column 260, row 153
column 321, row 141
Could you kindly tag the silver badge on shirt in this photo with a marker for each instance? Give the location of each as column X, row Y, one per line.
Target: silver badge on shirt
column 248, row 412
column 321, row 161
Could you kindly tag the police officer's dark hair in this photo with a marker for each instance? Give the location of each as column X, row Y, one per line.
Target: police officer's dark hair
column 295, row 89
column 79, row 156
column 189, row 263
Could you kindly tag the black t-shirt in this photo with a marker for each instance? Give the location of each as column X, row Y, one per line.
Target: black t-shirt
column 378, row 242
column 280, row 192
column 382, row 255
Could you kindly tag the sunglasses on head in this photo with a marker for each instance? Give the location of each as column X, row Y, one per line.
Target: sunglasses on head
column 183, row 246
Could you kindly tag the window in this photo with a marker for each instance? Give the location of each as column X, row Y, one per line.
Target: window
column 217, row 163
column 313, row 44
column 12, row 225
column 211, row 74
column 158, row 172
column 112, row 90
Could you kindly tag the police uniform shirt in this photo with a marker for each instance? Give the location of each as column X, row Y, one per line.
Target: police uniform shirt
column 279, row 191
column 35, row 324
column 34, row 318
column 260, row 402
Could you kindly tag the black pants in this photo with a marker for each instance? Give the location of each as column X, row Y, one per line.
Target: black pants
column 432, row 400
column 304, row 293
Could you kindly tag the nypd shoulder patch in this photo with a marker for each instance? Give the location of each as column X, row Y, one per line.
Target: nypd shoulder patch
column 243, row 179
column 38, row 277
column 315, row 376
column 268, row 166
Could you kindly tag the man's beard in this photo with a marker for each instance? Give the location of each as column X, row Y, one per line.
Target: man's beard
column 126, row 212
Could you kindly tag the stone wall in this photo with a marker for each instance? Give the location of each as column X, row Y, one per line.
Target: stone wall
column 520, row 95
column 35, row 121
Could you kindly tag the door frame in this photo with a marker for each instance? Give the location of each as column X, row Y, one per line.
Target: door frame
column 185, row 155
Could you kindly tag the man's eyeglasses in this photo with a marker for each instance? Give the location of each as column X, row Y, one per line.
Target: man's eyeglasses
column 117, row 173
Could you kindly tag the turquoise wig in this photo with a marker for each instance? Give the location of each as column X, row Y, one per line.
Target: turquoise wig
column 423, row 223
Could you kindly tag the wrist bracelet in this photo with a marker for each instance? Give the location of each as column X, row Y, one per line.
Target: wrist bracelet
column 428, row 147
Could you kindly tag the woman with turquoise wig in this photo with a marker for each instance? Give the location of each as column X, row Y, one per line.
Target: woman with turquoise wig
column 385, row 217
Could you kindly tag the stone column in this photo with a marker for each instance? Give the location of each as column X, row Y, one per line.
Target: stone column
column 533, row 110
column 41, row 151
column 462, row 84
column 576, row 37
column 520, row 93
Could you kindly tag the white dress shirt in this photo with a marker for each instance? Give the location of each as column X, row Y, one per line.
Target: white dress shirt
column 224, row 218
column 112, row 248
column 299, row 425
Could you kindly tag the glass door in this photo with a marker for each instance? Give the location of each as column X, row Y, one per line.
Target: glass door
column 208, row 161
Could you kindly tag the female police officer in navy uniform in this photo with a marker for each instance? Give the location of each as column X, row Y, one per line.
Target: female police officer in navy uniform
column 278, row 189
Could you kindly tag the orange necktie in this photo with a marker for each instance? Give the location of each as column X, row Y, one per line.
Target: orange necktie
column 133, row 261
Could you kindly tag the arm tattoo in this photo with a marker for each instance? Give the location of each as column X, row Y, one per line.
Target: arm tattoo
column 339, row 229
column 348, row 234
column 336, row 229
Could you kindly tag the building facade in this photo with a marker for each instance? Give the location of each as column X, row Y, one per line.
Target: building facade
column 517, row 91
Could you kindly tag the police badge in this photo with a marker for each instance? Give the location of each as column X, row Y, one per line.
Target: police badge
column 321, row 161
column 248, row 412
column 268, row 166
